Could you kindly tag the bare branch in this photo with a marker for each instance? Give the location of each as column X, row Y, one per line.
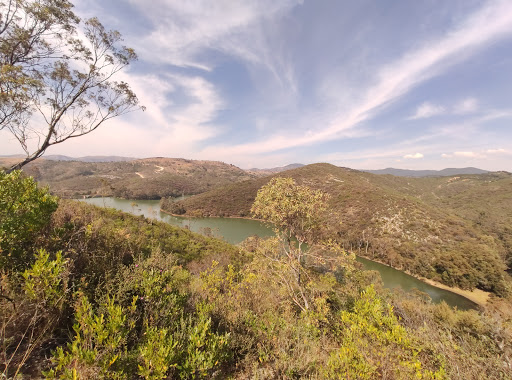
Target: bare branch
column 74, row 93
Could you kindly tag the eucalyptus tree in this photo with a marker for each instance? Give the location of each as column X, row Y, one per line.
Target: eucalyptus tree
column 296, row 213
column 57, row 74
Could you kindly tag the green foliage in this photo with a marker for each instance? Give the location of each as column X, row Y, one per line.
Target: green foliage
column 98, row 344
column 157, row 354
column 133, row 298
column 374, row 344
column 24, row 210
column 205, row 349
column 37, row 302
column 145, row 331
column 292, row 209
column 295, row 212
column 44, row 280
column 455, row 230
column 103, row 241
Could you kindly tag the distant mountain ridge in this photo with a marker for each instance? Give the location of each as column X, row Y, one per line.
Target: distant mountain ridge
column 57, row 157
column 278, row 169
column 428, row 173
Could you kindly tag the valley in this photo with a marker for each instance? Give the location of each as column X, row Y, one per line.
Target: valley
column 438, row 228
column 153, row 270
column 235, row 231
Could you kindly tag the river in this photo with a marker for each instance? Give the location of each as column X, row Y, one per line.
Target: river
column 235, row 231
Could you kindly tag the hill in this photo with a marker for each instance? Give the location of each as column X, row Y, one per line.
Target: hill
column 416, row 225
column 264, row 172
column 89, row 158
column 149, row 178
column 91, row 292
column 427, row 173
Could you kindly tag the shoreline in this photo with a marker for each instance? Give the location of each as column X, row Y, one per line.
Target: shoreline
column 209, row 217
column 477, row 296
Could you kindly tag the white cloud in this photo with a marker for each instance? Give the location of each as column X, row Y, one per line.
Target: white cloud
column 427, row 110
column 165, row 129
column 468, row 105
column 482, row 154
column 185, row 32
column 490, row 23
column 497, row 151
column 413, row 156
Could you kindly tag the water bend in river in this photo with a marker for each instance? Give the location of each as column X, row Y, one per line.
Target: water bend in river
column 235, row 231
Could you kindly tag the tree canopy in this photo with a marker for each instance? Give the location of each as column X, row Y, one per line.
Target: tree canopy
column 56, row 83
column 294, row 210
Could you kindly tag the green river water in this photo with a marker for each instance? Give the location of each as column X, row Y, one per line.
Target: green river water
column 235, row 231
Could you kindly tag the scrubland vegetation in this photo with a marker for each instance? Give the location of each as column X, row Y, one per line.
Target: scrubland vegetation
column 94, row 293
column 455, row 230
column 150, row 178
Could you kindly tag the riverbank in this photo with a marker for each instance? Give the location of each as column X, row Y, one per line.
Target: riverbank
column 213, row 216
column 235, row 230
column 477, row 296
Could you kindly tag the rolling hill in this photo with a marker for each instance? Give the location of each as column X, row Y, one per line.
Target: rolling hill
column 269, row 171
column 431, row 227
column 149, row 178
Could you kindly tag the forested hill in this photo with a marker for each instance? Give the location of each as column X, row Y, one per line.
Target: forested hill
column 149, row 178
column 451, row 229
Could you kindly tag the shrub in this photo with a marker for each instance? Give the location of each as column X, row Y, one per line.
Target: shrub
column 24, row 210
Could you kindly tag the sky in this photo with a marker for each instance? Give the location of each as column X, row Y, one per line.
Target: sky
column 367, row 84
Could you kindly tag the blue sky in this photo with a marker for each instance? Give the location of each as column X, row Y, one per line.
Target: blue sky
column 364, row 84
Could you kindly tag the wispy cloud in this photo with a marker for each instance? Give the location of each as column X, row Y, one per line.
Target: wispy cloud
column 185, row 34
column 427, row 110
column 498, row 151
column 466, row 154
column 438, row 141
column 490, row 23
column 485, row 153
column 466, row 106
column 166, row 128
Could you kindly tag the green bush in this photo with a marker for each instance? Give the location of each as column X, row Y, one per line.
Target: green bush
column 44, row 280
column 98, row 344
column 374, row 344
column 24, row 210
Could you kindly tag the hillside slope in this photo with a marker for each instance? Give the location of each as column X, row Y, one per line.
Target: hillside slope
column 269, row 171
column 390, row 219
column 105, row 294
column 149, row 178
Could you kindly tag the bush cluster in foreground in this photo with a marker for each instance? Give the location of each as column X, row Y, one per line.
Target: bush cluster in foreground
column 94, row 293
